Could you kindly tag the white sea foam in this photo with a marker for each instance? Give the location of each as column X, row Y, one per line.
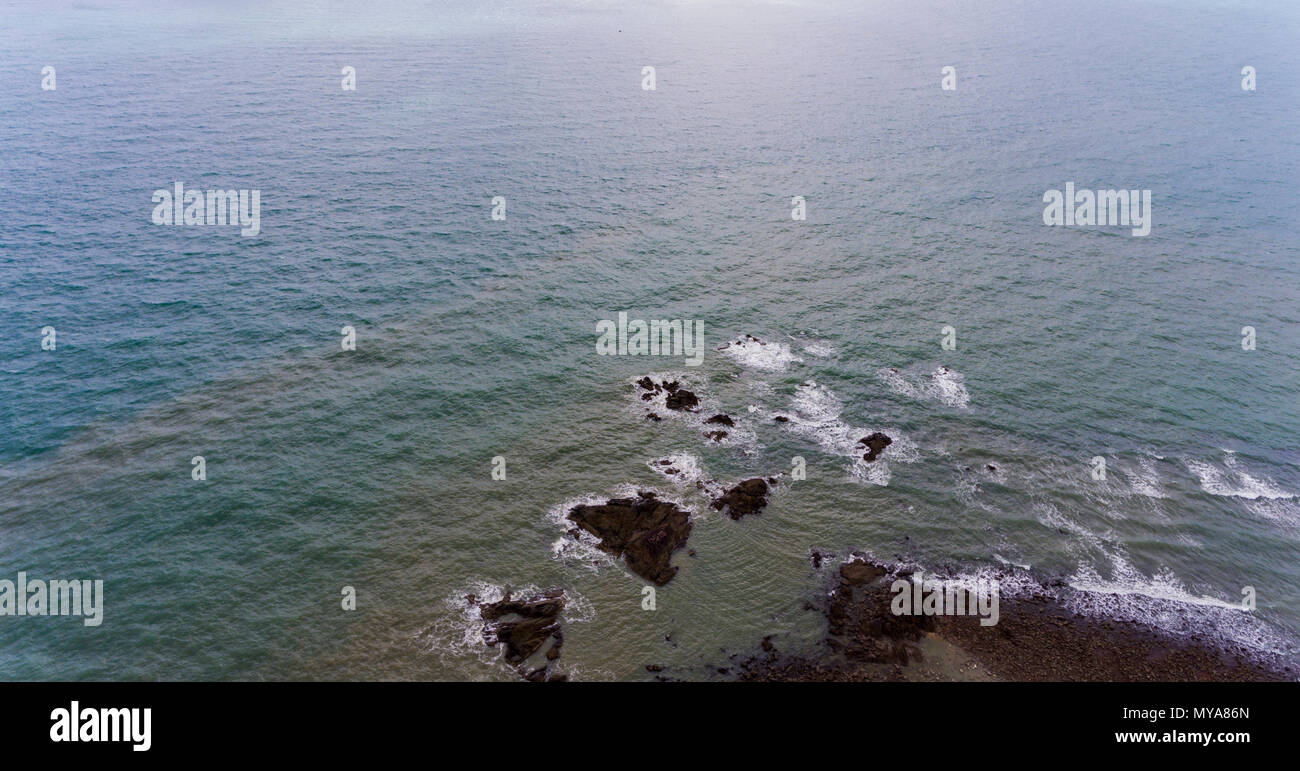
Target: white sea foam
column 686, row 472
column 657, row 403
column 1009, row 563
column 1163, row 602
column 1284, row 511
column 1128, row 581
column 943, row 385
column 740, row 435
column 1088, row 547
column 590, row 674
column 1262, row 496
column 464, row 634
column 1160, row 602
column 820, row 349
column 682, row 470
column 815, row 412
column 1145, row 481
column 576, row 546
column 1050, row 516
column 967, row 486
column 458, row 633
column 950, row 387
column 759, row 354
column 970, row 479
column 1233, row 480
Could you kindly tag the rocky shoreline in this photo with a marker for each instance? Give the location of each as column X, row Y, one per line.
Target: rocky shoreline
column 1036, row 638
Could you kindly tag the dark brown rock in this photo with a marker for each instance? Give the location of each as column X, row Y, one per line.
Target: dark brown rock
column 545, row 605
column 523, row 627
column 748, row 497
column 722, row 419
column 681, row 399
column 875, row 444
column 645, row 531
column 857, row 572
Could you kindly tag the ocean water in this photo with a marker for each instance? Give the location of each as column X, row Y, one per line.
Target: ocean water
column 476, row 338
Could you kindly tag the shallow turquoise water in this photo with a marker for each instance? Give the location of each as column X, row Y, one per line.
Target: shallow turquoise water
column 476, row 337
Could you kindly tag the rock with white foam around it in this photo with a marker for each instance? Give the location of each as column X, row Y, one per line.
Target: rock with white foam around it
column 875, row 444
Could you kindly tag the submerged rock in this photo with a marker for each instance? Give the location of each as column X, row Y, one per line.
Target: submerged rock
column 875, row 444
column 816, row 556
column 645, row 531
column 857, row 572
column 748, row 497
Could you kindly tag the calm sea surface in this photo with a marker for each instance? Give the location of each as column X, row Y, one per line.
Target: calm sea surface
column 476, row 338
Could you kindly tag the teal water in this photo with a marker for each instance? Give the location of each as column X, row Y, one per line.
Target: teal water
column 476, row 338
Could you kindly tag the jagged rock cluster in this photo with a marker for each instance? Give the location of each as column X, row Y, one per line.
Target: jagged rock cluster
column 645, row 531
column 523, row 626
